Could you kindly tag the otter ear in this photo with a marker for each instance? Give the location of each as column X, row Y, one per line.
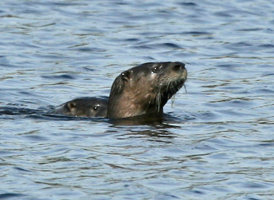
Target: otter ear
column 126, row 75
column 71, row 105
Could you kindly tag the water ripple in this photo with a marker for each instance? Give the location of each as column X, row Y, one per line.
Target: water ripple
column 216, row 140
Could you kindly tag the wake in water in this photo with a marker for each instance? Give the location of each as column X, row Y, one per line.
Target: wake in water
column 14, row 112
column 18, row 111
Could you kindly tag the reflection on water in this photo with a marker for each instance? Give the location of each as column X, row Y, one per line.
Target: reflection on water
column 215, row 141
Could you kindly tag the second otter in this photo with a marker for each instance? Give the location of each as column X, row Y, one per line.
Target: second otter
column 145, row 89
column 84, row 107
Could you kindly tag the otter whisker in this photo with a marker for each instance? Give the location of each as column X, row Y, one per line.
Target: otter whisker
column 173, row 100
column 185, row 88
column 158, row 100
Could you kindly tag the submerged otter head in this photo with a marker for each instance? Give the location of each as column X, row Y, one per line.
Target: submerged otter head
column 84, row 107
column 145, row 89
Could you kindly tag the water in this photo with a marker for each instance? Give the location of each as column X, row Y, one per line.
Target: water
column 219, row 141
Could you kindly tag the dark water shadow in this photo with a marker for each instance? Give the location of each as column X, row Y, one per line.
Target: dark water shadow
column 155, row 125
column 11, row 196
column 157, row 134
column 9, row 110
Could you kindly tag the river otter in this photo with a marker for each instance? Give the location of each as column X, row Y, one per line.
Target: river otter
column 145, row 89
column 84, row 107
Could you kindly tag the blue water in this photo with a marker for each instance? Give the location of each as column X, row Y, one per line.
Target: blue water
column 220, row 143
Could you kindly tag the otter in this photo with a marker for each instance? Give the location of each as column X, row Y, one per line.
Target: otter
column 145, row 89
column 84, row 107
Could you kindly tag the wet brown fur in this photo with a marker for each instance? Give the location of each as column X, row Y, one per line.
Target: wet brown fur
column 145, row 89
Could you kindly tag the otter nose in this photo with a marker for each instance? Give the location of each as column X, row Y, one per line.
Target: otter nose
column 176, row 66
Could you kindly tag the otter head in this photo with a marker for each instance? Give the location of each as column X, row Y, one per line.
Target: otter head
column 86, row 107
column 145, row 89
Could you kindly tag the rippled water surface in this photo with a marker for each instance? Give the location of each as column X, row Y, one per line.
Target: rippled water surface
column 219, row 141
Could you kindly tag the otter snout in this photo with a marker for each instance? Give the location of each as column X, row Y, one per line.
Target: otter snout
column 177, row 66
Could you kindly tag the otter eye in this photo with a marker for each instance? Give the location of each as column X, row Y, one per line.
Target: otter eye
column 155, row 69
column 95, row 107
column 125, row 75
